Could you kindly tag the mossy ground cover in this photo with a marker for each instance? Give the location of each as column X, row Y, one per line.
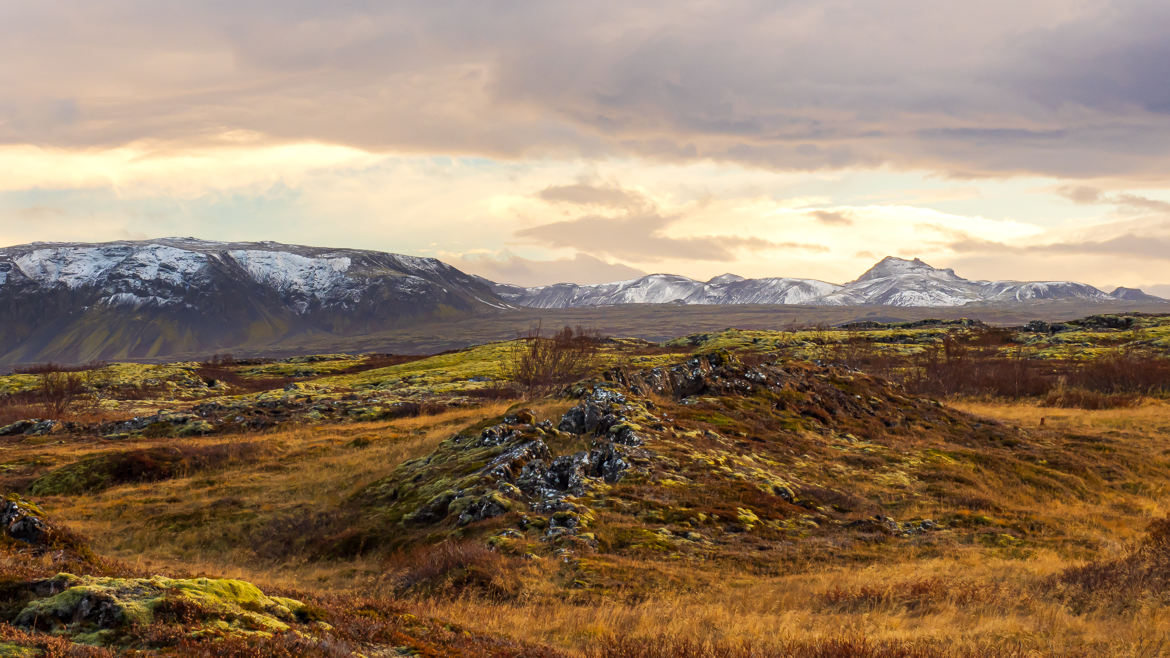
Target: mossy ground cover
column 763, row 493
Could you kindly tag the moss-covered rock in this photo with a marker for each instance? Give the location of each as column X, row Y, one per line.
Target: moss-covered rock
column 22, row 521
column 104, row 611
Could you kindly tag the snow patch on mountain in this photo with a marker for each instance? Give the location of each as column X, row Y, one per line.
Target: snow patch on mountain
column 289, row 272
column 76, row 266
column 136, row 301
column 1016, row 291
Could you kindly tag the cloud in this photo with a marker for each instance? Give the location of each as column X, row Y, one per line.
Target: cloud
column 1081, row 193
column 1128, row 202
column 1064, row 89
column 507, row 267
column 636, row 228
column 1128, row 245
column 832, row 218
column 584, row 194
column 638, row 236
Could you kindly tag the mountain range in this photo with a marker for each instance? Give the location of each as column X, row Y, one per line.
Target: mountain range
column 891, row 282
column 154, row 298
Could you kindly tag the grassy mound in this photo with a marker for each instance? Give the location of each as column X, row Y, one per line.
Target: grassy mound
column 99, row 472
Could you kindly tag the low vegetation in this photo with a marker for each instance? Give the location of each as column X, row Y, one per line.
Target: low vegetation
column 921, row 489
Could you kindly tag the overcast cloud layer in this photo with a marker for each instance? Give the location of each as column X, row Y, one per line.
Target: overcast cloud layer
column 1024, row 139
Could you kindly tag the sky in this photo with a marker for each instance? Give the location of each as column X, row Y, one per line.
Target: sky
column 544, row 141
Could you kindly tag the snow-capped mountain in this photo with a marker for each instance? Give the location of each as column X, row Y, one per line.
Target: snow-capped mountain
column 138, row 299
column 162, row 272
column 670, row 288
column 891, row 282
column 1134, row 295
column 160, row 298
column 899, row 282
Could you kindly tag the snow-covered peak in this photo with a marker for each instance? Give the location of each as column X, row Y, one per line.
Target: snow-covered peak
column 725, row 278
column 892, row 266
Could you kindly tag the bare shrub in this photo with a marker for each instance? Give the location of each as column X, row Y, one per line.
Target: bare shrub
column 1124, row 371
column 538, row 363
column 1142, row 574
column 17, row 407
column 986, row 362
column 58, row 392
column 452, row 568
column 970, row 368
column 42, row 368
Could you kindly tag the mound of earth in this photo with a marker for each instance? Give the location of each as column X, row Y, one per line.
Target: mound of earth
column 104, row 470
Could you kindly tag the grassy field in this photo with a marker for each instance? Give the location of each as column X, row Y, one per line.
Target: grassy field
column 734, row 493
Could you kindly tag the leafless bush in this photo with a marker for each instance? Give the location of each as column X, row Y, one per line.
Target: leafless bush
column 58, row 392
column 538, row 363
column 1124, row 371
column 1143, row 573
column 978, row 368
column 452, row 568
column 43, row 368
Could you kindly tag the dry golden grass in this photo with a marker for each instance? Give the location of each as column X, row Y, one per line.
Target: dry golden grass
column 961, row 599
column 1151, row 418
column 204, row 522
column 968, row 604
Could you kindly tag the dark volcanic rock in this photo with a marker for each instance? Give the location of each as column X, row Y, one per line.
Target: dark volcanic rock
column 23, row 522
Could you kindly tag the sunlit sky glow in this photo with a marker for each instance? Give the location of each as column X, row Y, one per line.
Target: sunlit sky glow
column 535, row 142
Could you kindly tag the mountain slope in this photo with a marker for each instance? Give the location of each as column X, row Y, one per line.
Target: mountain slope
column 79, row 302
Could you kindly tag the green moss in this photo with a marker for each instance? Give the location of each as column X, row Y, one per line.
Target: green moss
column 87, row 475
column 444, row 372
column 10, row 650
column 97, row 610
column 746, row 518
column 316, row 364
column 18, row 383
